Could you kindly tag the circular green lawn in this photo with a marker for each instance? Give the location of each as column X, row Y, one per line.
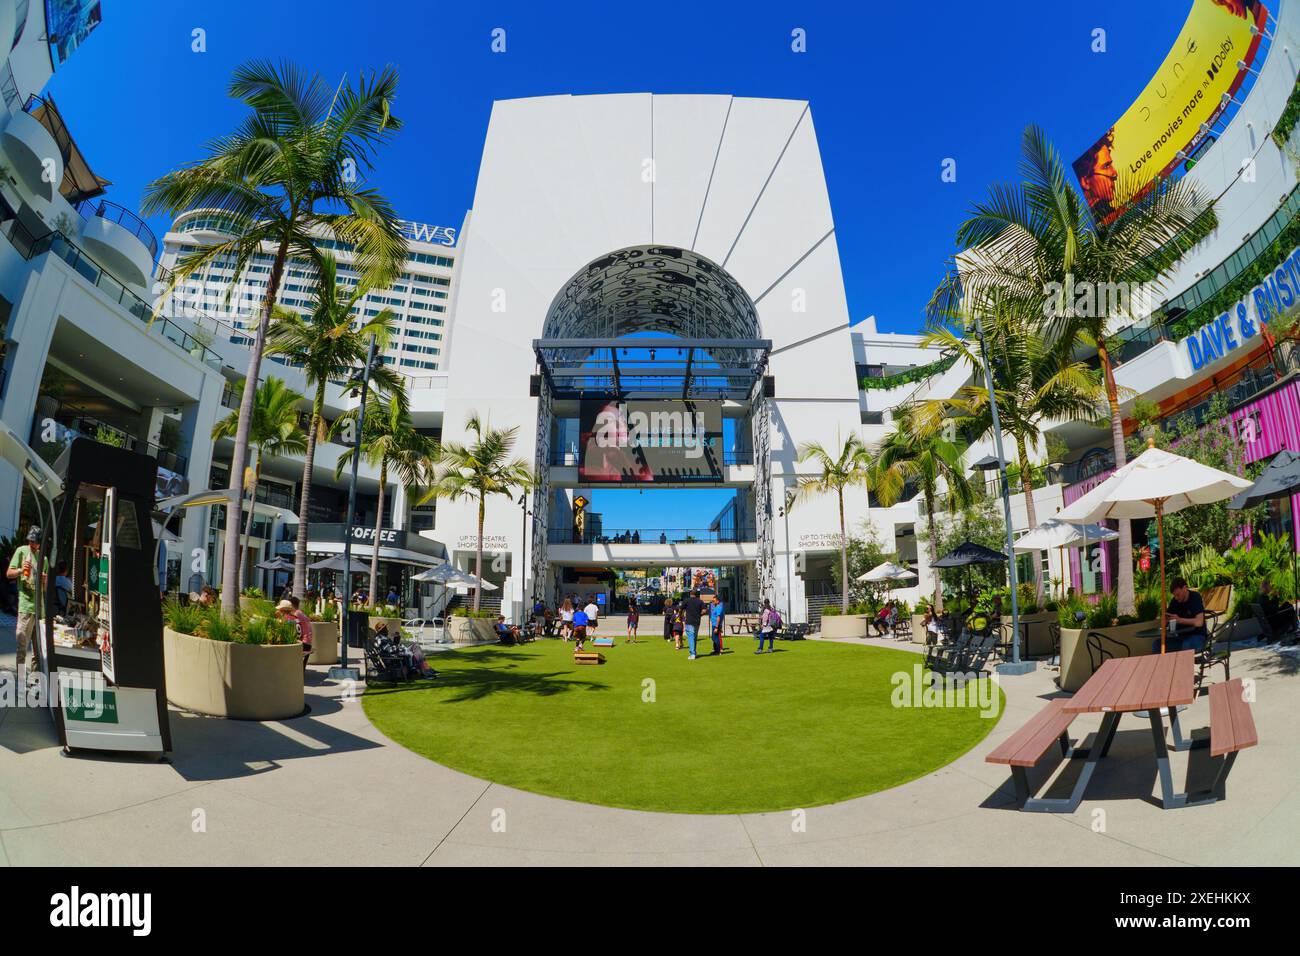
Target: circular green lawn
column 813, row 723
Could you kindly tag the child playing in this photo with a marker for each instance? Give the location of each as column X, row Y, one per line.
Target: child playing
column 579, row 628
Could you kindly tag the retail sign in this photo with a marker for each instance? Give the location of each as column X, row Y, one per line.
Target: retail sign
column 491, row 542
column 423, row 232
column 819, row 541
column 1272, row 297
column 386, row 535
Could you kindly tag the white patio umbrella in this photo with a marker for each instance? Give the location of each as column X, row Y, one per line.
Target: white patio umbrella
column 1154, row 484
column 1055, row 533
column 888, row 571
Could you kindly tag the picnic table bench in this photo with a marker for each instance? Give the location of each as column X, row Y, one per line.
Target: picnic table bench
column 1153, row 685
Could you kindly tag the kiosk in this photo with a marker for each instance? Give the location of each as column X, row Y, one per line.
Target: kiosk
column 102, row 654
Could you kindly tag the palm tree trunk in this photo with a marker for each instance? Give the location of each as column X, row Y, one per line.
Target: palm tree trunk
column 1031, row 513
column 379, row 524
column 934, row 550
column 478, row 552
column 248, row 522
column 300, row 545
column 844, row 560
column 1125, row 597
column 239, row 457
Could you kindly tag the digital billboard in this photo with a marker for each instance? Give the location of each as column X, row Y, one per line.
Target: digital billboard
column 1186, row 92
column 649, row 441
column 69, row 23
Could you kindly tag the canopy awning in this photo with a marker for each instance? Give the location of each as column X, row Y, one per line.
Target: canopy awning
column 364, row 551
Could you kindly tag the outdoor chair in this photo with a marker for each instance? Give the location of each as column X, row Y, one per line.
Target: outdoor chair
column 383, row 664
column 1054, row 633
column 1102, row 647
column 943, row 657
column 794, row 632
column 1218, row 649
column 903, row 630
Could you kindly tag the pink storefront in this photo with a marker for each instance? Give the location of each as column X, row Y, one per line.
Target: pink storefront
column 1265, row 426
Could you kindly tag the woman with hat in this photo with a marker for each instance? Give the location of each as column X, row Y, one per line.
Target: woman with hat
column 287, row 610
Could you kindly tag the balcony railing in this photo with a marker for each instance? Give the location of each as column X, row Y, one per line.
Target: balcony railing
column 49, row 118
column 659, row 536
column 59, row 244
column 128, row 220
column 84, row 425
column 569, row 458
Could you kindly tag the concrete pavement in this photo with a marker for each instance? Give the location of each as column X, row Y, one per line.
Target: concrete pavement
column 328, row 788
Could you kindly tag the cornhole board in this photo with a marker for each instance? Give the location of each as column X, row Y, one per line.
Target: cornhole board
column 588, row 657
column 603, row 642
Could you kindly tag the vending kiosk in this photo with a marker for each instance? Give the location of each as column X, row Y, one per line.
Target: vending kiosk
column 101, row 643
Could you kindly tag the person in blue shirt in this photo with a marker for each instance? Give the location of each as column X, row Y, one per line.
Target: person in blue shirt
column 716, row 614
column 579, row 628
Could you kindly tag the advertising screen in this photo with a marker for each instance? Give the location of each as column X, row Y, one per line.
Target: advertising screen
column 1185, row 92
column 649, row 441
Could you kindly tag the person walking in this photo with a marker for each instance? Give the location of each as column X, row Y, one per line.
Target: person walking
column 633, row 619
column 692, row 611
column 716, row 617
column 28, row 569
column 668, row 619
column 768, row 624
column 593, row 612
column 566, row 619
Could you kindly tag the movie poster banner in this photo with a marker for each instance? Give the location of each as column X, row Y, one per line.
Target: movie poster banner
column 650, row 441
column 1186, row 92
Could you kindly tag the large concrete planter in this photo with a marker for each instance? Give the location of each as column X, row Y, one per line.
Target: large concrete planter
column 471, row 630
column 324, row 642
column 233, row 680
column 1076, row 667
column 918, row 629
column 844, row 625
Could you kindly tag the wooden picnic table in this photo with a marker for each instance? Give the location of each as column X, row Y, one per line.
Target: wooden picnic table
column 1156, row 684
column 745, row 623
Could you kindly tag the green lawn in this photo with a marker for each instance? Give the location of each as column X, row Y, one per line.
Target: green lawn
column 810, row 724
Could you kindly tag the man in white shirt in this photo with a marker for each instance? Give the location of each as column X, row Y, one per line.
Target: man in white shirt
column 592, row 612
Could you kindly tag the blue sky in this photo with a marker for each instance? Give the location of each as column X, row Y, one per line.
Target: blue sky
column 894, row 88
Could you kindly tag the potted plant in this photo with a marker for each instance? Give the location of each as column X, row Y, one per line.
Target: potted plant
column 835, row 625
column 325, row 635
column 248, row 599
column 466, row 626
column 247, row 667
column 1078, row 618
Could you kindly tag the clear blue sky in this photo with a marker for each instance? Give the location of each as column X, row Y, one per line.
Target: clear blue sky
column 894, row 88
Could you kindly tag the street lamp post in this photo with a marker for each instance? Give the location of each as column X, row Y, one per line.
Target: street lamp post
column 1015, row 665
column 525, row 607
column 342, row 671
column 789, row 574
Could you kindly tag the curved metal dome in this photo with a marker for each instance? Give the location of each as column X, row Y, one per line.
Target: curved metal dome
column 651, row 289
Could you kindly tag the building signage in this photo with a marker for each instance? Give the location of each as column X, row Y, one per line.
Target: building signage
column 819, row 542
column 491, row 542
column 423, row 232
column 333, row 533
column 1272, row 297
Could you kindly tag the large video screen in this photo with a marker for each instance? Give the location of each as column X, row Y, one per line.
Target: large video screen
column 1186, row 92
column 649, row 441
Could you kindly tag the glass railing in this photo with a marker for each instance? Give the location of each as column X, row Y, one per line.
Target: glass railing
column 128, row 220
column 658, row 536
column 59, row 245
column 49, row 118
column 571, row 458
column 79, row 423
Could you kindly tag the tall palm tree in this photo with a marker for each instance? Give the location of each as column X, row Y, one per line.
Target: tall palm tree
column 328, row 346
column 274, row 430
column 477, row 471
column 1038, row 242
column 392, row 444
column 1033, row 384
column 919, row 453
column 837, row 469
column 292, row 170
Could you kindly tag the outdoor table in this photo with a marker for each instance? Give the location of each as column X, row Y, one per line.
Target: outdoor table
column 1154, row 683
column 746, row 624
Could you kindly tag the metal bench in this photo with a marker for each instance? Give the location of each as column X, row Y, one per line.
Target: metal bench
column 1028, row 745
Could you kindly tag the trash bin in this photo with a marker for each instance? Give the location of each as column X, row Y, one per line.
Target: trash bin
column 357, row 628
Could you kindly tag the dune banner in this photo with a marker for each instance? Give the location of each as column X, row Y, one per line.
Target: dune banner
column 1186, row 92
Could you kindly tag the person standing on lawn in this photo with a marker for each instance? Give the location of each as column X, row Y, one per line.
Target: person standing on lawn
column 692, row 611
column 579, row 628
column 716, row 616
column 633, row 619
column 592, row 611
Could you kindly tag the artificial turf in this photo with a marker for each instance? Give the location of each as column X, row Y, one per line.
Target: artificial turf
column 810, row 724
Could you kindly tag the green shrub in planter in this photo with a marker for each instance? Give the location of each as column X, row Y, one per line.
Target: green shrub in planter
column 253, row 592
column 831, row 610
column 184, row 618
column 1104, row 613
column 218, row 628
column 1068, row 611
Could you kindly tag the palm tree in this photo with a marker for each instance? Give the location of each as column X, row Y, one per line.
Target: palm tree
column 1033, row 384
column 477, row 471
column 919, row 453
column 393, row 445
column 274, row 431
column 292, row 171
column 327, row 346
column 1037, row 242
column 846, row 467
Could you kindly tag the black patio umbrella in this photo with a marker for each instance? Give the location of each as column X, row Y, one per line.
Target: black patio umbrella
column 275, row 564
column 969, row 553
column 1281, row 479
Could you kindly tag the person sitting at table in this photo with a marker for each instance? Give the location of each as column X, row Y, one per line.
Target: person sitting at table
column 1279, row 614
column 1186, row 620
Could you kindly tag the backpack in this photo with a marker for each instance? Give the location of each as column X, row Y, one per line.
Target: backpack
column 774, row 619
